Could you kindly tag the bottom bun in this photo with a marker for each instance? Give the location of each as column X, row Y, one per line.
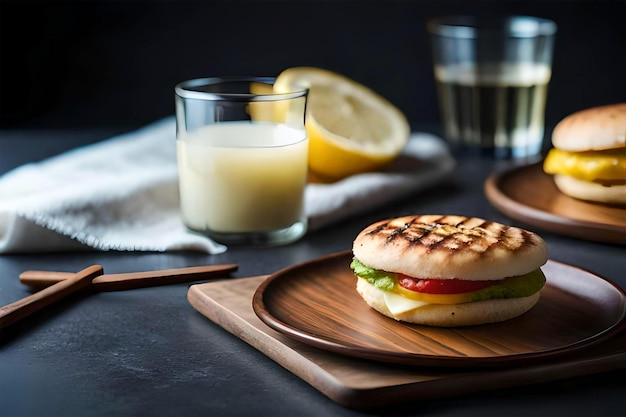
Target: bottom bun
column 450, row 315
column 585, row 190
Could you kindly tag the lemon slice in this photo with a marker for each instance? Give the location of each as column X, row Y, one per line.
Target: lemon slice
column 351, row 128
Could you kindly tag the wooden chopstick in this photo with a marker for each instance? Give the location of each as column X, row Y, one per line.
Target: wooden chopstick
column 11, row 313
column 132, row 280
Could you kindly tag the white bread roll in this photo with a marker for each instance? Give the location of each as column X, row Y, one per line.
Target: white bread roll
column 451, row 315
column 449, row 246
column 597, row 128
column 591, row 191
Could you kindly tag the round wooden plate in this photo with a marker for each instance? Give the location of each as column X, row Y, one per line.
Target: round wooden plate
column 529, row 195
column 316, row 303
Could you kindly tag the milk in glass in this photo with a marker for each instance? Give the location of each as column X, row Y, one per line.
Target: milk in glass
column 239, row 177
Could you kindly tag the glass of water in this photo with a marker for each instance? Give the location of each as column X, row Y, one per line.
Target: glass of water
column 492, row 80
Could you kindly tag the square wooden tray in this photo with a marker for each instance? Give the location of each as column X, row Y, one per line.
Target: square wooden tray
column 363, row 384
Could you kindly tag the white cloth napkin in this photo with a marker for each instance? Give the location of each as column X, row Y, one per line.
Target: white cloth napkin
column 122, row 194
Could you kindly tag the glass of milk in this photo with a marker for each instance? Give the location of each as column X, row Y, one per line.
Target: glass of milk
column 242, row 160
column 492, row 78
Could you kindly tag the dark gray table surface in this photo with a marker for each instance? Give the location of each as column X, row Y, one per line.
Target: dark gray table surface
column 147, row 352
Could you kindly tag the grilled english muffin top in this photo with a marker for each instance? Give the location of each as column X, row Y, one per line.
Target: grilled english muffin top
column 449, row 246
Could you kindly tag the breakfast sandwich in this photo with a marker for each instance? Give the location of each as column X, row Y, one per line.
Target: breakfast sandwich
column 588, row 159
column 448, row 270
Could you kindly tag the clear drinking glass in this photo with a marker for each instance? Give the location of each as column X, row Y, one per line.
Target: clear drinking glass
column 242, row 160
column 492, row 80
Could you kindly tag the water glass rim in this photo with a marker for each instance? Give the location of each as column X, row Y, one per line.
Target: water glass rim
column 197, row 88
column 470, row 27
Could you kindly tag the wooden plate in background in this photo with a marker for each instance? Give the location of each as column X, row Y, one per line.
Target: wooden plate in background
column 529, row 195
column 317, row 303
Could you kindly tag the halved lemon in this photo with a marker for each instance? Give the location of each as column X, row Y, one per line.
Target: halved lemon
column 351, row 128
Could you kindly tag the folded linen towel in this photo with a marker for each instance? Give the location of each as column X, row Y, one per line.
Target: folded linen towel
column 122, row 194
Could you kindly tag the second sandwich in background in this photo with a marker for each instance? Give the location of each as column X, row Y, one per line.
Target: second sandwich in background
column 588, row 160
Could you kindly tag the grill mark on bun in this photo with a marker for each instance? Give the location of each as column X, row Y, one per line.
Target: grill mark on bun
column 448, row 247
column 452, row 233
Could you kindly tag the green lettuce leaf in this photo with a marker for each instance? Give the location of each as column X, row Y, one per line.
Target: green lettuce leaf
column 512, row 287
column 380, row 279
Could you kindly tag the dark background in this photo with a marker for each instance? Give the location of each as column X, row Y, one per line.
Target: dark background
column 85, row 64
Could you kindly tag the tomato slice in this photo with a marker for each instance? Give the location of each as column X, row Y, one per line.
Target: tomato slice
column 442, row 286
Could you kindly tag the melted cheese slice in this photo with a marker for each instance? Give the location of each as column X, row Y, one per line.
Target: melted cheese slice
column 398, row 304
column 599, row 166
